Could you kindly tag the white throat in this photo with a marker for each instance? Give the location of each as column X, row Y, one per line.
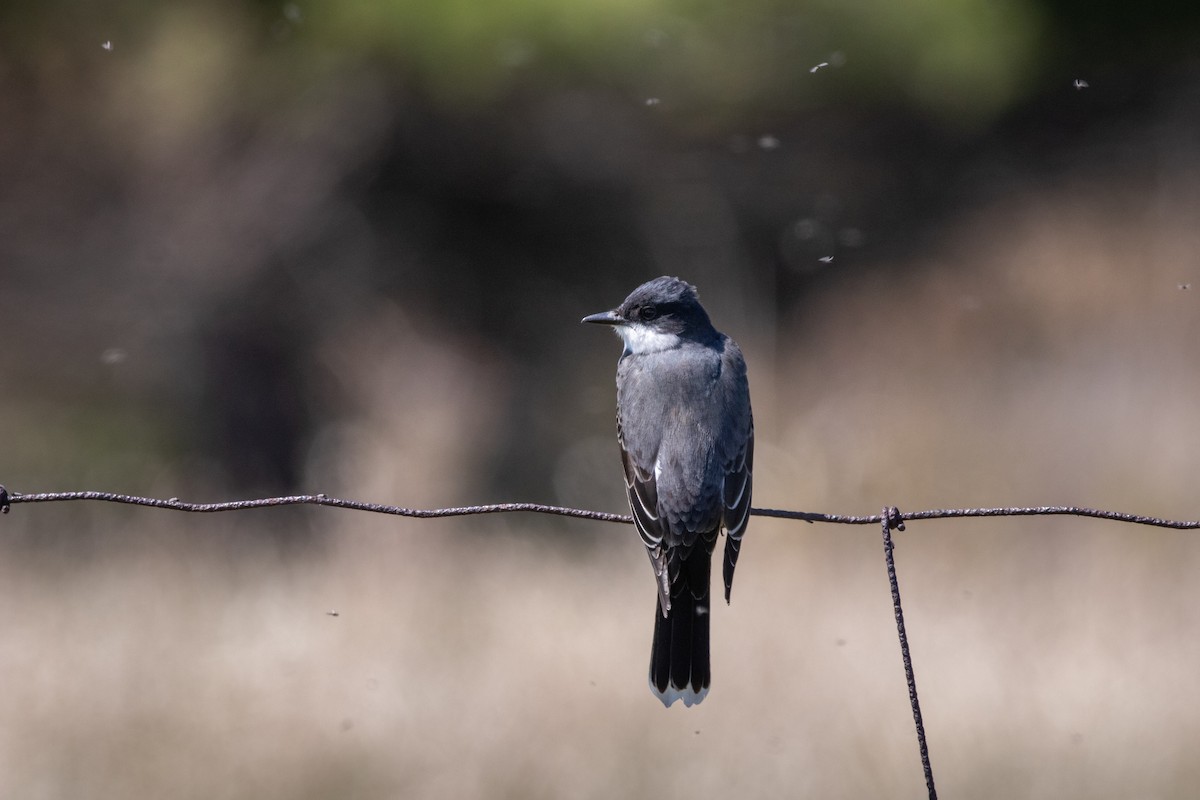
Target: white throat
column 640, row 338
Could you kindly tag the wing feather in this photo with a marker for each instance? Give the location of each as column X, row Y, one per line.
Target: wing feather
column 737, row 492
column 642, row 487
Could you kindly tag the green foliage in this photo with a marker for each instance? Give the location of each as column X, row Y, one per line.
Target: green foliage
column 962, row 60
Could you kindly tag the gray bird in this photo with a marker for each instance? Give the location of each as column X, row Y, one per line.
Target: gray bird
column 687, row 444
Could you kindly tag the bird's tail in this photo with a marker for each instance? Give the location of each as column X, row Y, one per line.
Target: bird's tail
column 679, row 663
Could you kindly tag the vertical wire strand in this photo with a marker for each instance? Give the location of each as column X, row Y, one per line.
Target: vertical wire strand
column 891, row 517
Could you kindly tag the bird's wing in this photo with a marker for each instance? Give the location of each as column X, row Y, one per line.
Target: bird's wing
column 642, row 488
column 739, row 480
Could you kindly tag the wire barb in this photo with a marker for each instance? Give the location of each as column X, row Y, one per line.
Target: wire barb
column 4, row 502
column 889, row 519
column 893, row 518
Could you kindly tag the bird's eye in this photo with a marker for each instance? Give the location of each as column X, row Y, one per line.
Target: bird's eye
column 648, row 313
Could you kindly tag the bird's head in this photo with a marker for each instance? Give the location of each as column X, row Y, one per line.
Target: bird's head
column 658, row 315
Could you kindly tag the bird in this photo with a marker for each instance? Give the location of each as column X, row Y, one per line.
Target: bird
column 686, row 434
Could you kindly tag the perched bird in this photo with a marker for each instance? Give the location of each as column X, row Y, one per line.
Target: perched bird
column 687, row 444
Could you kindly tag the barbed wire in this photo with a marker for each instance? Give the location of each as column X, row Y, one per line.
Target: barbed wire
column 8, row 498
column 890, row 518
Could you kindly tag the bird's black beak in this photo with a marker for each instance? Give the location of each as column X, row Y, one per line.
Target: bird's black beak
column 604, row 318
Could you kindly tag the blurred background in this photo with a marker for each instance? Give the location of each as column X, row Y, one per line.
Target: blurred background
column 255, row 248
